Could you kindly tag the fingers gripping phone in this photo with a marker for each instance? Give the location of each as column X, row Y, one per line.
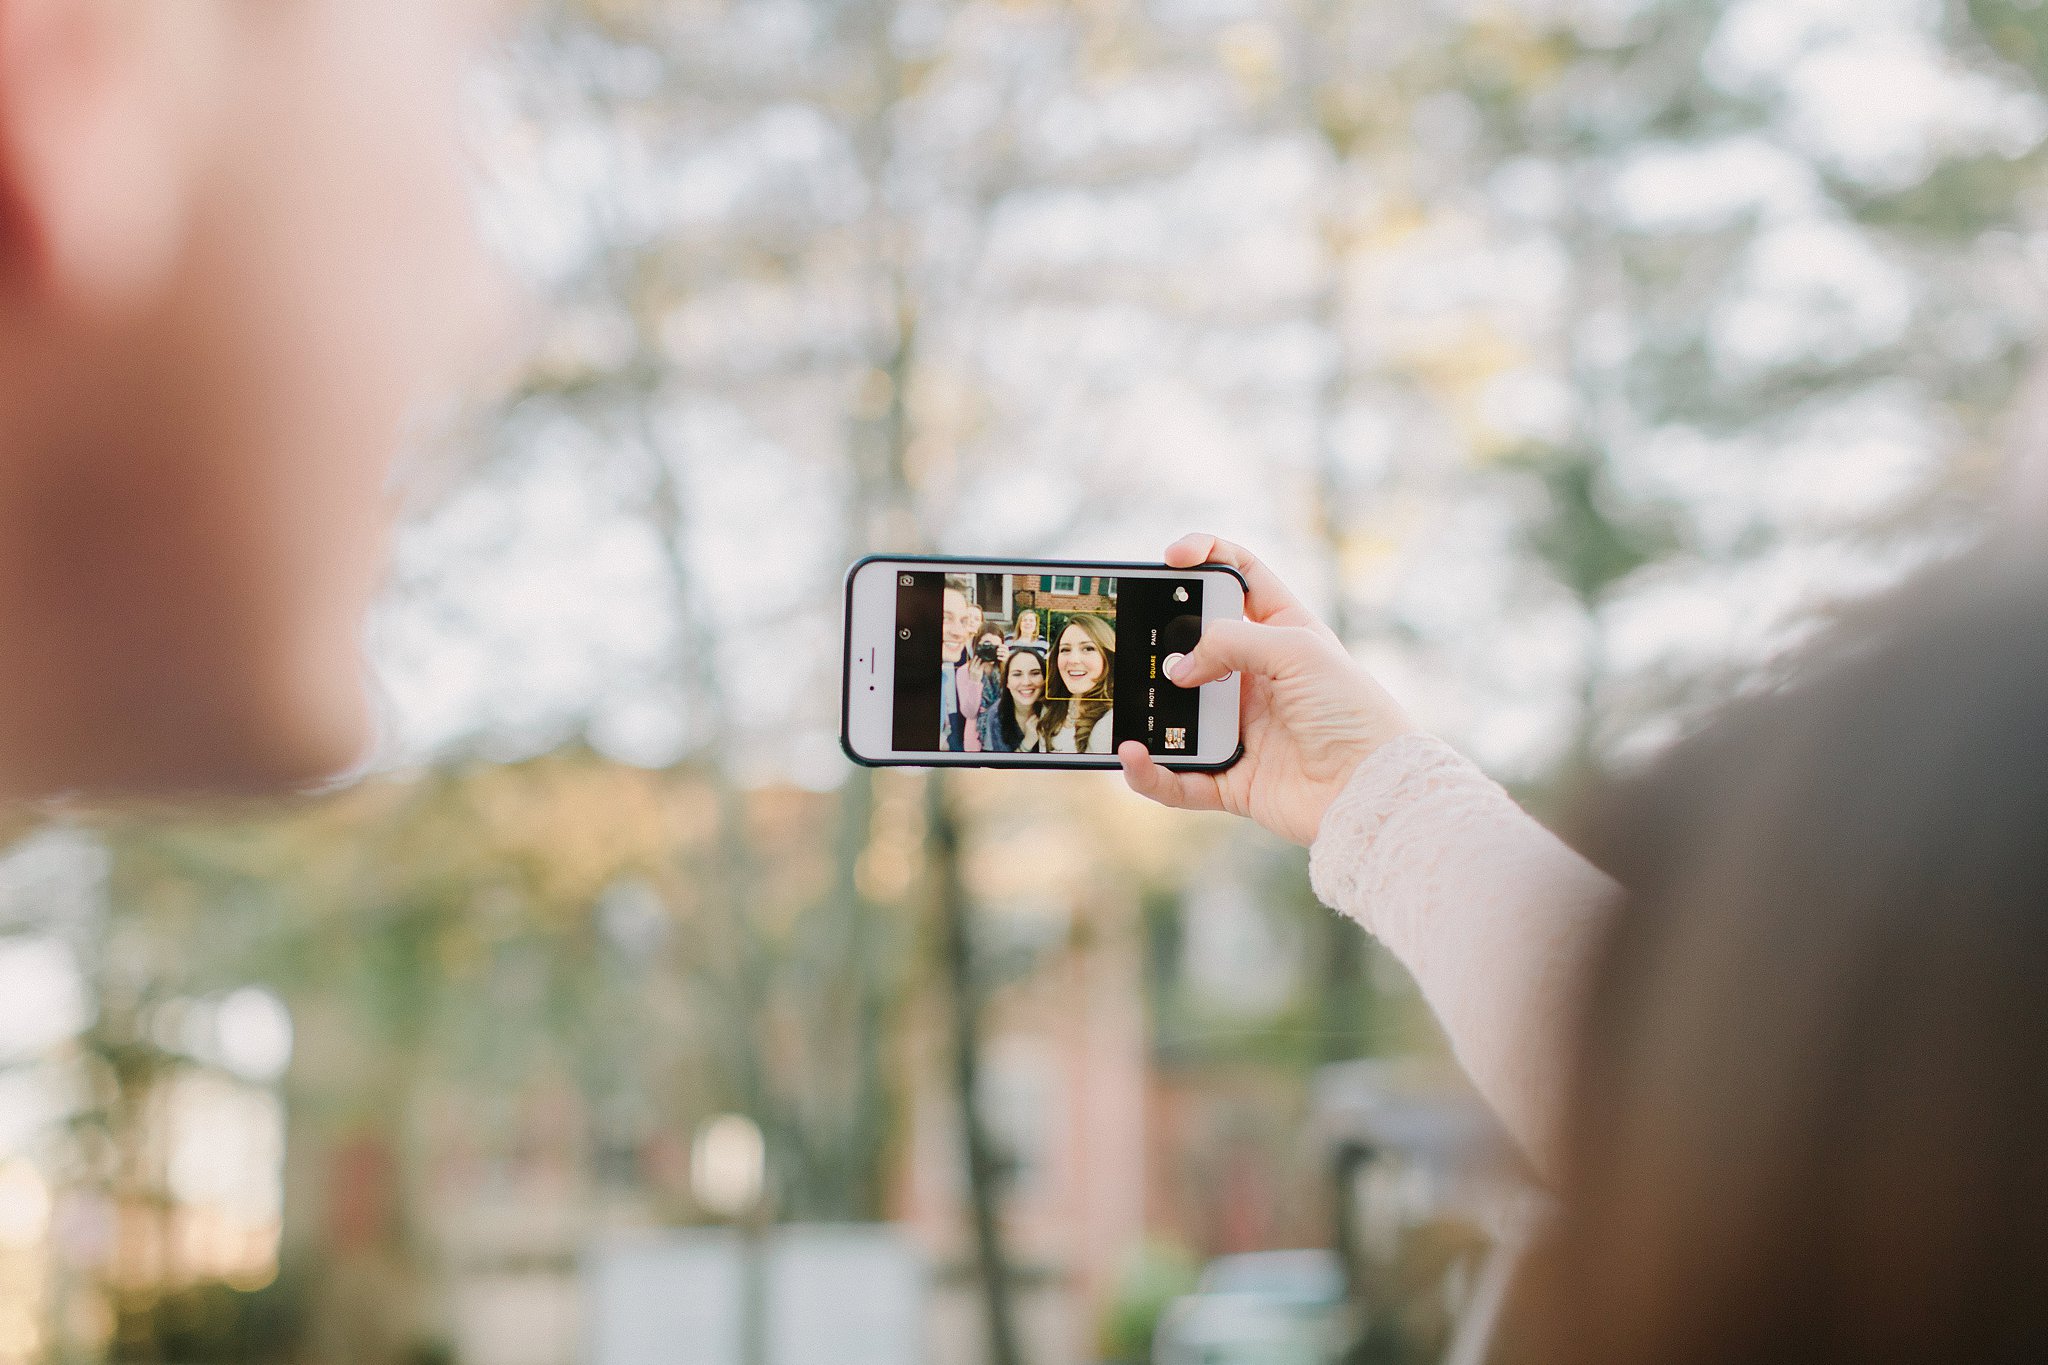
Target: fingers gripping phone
column 1027, row 663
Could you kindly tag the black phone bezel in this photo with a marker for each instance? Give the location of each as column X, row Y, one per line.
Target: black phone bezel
column 1113, row 566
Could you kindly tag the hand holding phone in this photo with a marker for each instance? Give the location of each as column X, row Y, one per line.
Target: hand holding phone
column 1311, row 713
column 1028, row 663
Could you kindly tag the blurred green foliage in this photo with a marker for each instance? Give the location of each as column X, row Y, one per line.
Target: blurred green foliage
column 1157, row 1275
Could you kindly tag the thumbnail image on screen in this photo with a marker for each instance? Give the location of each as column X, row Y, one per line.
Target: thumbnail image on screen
column 1038, row 663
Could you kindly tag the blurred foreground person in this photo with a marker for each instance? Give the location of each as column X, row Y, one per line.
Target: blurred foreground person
column 234, row 248
column 1791, row 1085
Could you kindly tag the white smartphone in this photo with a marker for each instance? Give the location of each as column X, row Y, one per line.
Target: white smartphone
column 1027, row 663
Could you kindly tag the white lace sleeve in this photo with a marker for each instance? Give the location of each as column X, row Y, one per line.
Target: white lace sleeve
column 1496, row 918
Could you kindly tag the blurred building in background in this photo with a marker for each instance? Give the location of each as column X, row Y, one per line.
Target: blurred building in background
column 1575, row 357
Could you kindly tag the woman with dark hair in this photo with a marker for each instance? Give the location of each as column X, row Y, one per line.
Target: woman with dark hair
column 1011, row 724
column 1082, row 720
column 1810, row 1079
column 1790, row 1086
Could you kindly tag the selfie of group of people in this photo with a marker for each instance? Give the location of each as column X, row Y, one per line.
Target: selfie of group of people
column 1038, row 682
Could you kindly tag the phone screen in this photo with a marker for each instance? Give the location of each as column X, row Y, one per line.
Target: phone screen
column 1044, row 663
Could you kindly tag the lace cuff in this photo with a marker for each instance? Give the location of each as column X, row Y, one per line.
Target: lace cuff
column 1357, row 852
column 1493, row 915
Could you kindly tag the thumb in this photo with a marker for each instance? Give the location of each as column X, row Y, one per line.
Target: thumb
column 1239, row 647
column 1185, row 791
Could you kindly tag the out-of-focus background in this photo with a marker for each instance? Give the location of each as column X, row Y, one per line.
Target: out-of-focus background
column 1578, row 358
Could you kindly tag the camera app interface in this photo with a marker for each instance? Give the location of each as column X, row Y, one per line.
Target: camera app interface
column 1050, row 663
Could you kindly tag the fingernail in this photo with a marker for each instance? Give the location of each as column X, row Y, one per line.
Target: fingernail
column 1173, row 665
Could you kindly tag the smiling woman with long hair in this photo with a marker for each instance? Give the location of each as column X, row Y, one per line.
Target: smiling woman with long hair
column 1083, row 664
column 1011, row 725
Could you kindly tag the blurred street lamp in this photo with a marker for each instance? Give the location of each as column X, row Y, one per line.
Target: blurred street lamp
column 729, row 1174
column 729, row 1166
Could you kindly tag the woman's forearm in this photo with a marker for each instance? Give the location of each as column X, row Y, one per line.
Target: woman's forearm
column 1493, row 915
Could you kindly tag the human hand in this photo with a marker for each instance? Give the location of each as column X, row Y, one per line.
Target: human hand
column 1310, row 714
